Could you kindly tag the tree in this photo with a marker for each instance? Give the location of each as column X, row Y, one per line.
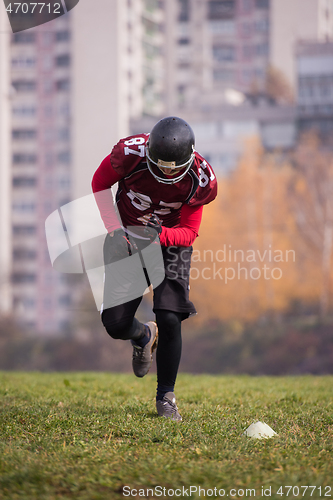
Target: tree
column 277, row 86
column 311, row 196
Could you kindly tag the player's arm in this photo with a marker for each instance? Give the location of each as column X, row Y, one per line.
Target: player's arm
column 104, row 178
column 187, row 231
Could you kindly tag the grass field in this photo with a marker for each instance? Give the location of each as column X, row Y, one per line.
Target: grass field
column 87, row 435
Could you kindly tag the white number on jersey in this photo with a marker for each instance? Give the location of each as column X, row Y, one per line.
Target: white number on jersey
column 135, row 141
column 143, row 202
column 203, row 178
column 139, row 201
column 165, row 211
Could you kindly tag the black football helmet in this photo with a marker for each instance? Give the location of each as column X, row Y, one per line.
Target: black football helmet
column 170, row 150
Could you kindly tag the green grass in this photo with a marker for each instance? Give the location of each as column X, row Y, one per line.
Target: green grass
column 86, row 435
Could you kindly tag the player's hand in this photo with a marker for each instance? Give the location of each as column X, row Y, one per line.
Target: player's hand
column 153, row 225
column 121, row 245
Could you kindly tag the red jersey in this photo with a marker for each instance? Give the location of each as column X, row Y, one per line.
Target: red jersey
column 139, row 193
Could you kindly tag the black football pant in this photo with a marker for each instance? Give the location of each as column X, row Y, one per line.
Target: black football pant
column 120, row 323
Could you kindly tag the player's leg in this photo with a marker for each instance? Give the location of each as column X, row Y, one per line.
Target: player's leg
column 171, row 306
column 123, row 280
column 120, row 323
column 167, row 359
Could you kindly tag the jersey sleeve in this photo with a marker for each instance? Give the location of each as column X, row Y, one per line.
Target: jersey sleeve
column 206, row 191
column 187, row 231
column 128, row 153
column 104, row 178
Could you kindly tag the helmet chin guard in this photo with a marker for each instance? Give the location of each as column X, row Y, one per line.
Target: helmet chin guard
column 165, row 180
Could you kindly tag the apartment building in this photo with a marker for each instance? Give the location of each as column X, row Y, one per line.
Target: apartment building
column 314, row 62
column 293, row 21
column 40, row 63
column 61, row 85
column 212, row 46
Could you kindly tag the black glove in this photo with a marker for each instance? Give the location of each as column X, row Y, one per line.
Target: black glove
column 153, row 226
column 118, row 245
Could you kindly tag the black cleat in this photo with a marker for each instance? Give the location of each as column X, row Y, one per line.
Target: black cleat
column 167, row 407
column 142, row 356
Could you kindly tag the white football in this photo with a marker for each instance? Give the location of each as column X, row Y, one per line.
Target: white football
column 260, row 430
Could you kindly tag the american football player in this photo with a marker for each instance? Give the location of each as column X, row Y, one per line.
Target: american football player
column 163, row 184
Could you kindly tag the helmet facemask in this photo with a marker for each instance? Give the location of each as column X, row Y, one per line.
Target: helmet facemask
column 168, row 168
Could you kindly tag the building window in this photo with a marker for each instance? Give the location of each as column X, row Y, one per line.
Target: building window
column 223, row 76
column 24, row 278
column 63, row 85
column 24, row 134
column 24, row 181
column 218, row 9
column 64, row 157
column 24, row 85
column 24, row 111
column 184, row 41
column 64, row 182
column 24, row 158
column 24, row 254
column 222, row 53
column 64, row 110
column 29, row 302
column 184, row 11
column 262, row 4
column 261, row 26
column 63, row 61
column 65, row 300
column 222, row 27
column 24, row 207
column 262, row 49
column 62, row 36
column 22, row 62
column 24, row 38
column 24, row 230
column 63, row 134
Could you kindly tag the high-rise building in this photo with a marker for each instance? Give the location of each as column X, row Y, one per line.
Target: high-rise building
column 67, row 91
column 64, row 102
column 212, row 46
column 292, row 21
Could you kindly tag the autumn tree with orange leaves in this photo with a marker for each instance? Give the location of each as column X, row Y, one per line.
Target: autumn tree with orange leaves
column 266, row 242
